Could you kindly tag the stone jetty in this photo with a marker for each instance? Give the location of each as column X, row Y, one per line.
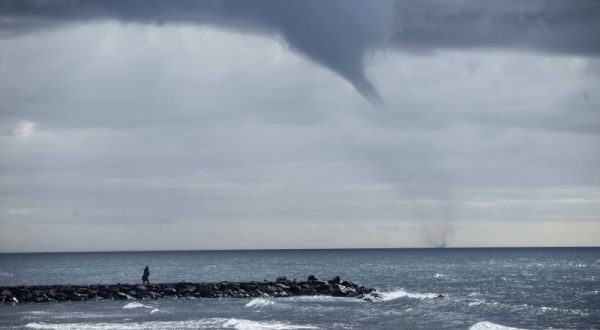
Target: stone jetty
column 281, row 287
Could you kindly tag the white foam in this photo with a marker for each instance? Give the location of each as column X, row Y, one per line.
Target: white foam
column 258, row 303
column 438, row 275
column 133, row 305
column 400, row 293
column 38, row 312
column 321, row 298
column 476, row 303
column 254, row 325
column 199, row 324
column 485, row 325
column 154, row 311
column 209, row 323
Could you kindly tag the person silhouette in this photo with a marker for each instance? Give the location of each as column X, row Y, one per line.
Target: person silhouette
column 145, row 276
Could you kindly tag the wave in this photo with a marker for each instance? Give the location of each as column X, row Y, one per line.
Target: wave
column 167, row 325
column 320, row 298
column 134, row 304
column 476, row 302
column 38, row 312
column 210, row 323
column 258, row 303
column 254, row 325
column 486, row 325
column 400, row 293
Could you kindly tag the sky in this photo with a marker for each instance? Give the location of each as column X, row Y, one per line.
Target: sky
column 183, row 125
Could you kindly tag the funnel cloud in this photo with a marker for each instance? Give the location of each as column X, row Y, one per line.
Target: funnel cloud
column 340, row 34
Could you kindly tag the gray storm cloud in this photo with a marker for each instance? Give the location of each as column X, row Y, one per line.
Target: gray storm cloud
column 340, row 34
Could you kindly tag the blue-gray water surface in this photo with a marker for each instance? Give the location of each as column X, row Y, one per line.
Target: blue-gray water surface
column 547, row 288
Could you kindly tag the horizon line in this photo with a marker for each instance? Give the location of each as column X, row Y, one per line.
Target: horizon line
column 315, row 249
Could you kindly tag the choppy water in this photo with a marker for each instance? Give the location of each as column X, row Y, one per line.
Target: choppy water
column 485, row 289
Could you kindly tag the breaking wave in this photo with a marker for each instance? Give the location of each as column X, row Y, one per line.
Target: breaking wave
column 258, row 303
column 133, row 305
column 252, row 325
column 485, row 325
column 210, row 323
column 400, row 293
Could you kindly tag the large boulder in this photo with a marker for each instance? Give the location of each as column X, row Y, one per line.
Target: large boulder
column 204, row 290
column 169, row 291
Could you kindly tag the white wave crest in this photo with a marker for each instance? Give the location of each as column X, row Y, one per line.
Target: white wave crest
column 39, row 312
column 485, row 325
column 254, row 325
column 400, row 293
column 167, row 325
column 320, row 299
column 476, row 302
column 134, row 304
column 209, row 323
column 258, row 303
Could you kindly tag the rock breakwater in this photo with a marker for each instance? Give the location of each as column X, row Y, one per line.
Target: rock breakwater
column 281, row 287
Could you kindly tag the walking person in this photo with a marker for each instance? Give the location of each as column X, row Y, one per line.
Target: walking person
column 145, row 276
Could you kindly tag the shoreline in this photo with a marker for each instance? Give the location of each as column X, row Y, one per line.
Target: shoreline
column 281, row 287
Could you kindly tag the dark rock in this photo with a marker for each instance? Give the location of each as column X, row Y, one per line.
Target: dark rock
column 335, row 280
column 122, row 296
column 281, row 279
column 169, row 292
column 78, row 296
column 271, row 289
column 312, row 278
column 191, row 288
column 204, row 290
column 154, row 295
column 282, row 286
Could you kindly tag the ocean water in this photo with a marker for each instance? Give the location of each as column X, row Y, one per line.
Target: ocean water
column 485, row 289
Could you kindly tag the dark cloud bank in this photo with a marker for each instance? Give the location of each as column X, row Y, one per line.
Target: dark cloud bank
column 339, row 34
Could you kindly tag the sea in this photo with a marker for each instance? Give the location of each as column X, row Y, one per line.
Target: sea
column 504, row 288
